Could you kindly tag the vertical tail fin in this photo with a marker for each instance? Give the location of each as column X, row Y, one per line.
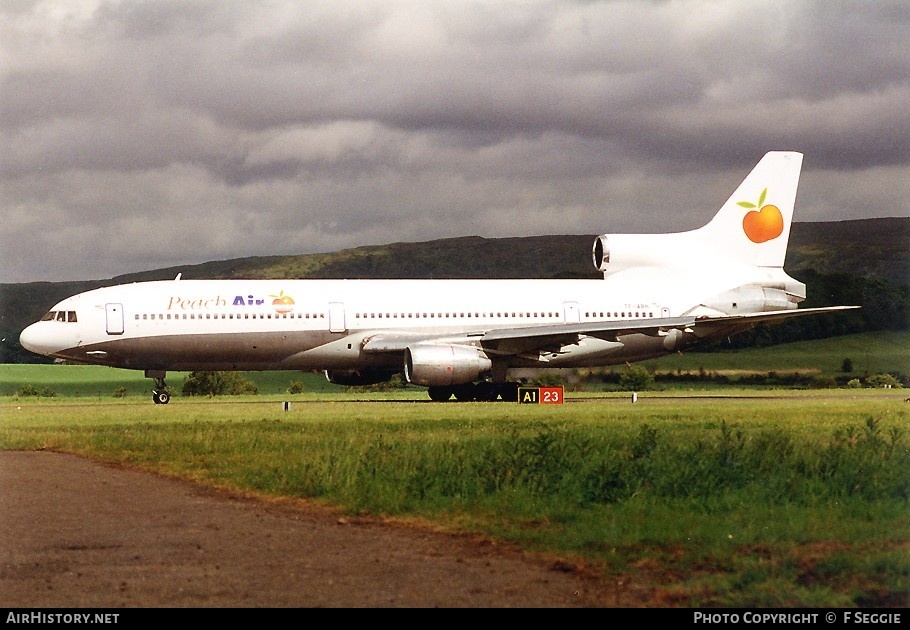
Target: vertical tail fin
column 753, row 226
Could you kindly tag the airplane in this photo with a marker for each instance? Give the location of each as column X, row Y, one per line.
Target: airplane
column 660, row 294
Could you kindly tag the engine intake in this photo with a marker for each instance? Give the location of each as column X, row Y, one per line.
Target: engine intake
column 601, row 253
column 435, row 365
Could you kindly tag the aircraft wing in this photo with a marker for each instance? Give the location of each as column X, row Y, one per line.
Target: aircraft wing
column 745, row 321
column 726, row 325
column 397, row 341
column 524, row 339
column 551, row 337
column 521, row 340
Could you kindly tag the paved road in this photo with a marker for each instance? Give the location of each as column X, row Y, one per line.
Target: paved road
column 78, row 533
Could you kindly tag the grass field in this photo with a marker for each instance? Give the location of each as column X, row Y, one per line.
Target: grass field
column 728, row 498
column 871, row 353
column 735, row 496
column 883, row 352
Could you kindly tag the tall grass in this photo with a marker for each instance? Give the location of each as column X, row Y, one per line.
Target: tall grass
column 783, row 501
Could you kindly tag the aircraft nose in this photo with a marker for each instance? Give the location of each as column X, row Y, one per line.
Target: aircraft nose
column 38, row 339
column 29, row 339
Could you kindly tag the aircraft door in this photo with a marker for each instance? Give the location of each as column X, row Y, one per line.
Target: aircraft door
column 336, row 317
column 114, row 318
column 571, row 313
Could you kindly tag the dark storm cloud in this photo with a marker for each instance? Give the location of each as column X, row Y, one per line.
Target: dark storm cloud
column 168, row 132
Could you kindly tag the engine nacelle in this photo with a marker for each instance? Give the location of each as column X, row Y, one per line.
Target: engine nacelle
column 614, row 252
column 435, row 365
column 358, row 377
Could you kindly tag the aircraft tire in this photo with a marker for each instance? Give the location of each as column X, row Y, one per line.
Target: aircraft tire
column 486, row 392
column 439, row 394
column 161, row 398
column 465, row 393
column 509, row 392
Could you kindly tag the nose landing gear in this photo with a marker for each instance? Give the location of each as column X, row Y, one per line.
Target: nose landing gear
column 160, row 395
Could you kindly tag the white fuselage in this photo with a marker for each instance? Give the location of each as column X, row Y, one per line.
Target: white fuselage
column 323, row 324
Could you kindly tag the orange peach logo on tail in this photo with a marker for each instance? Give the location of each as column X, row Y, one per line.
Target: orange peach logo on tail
column 764, row 224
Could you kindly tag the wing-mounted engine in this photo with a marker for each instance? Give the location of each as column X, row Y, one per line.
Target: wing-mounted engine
column 435, row 365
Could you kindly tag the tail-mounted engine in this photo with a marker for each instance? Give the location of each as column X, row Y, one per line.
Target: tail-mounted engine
column 614, row 252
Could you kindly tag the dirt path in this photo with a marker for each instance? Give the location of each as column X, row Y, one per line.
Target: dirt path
column 78, row 533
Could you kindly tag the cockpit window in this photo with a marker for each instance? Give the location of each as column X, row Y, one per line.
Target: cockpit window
column 60, row 316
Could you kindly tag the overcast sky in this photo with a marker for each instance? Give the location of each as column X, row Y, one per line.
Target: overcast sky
column 142, row 134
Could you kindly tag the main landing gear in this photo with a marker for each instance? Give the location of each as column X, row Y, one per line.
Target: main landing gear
column 160, row 395
column 484, row 391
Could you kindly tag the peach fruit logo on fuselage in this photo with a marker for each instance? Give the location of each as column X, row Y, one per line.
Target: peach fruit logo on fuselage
column 763, row 224
column 283, row 303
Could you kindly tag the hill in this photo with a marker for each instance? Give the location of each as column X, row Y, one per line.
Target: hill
column 866, row 248
column 863, row 261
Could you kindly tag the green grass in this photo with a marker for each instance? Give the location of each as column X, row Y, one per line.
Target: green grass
column 93, row 381
column 870, row 353
column 791, row 500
